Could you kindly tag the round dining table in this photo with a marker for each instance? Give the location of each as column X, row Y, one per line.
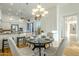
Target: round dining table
column 40, row 43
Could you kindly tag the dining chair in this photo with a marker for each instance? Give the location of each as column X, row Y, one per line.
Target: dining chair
column 19, row 51
column 60, row 50
column 57, row 51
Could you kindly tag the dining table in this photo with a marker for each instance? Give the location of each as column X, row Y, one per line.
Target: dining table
column 39, row 43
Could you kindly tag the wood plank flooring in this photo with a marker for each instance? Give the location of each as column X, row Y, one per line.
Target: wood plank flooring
column 70, row 51
column 7, row 51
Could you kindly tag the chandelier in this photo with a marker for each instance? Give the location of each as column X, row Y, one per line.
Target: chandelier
column 39, row 12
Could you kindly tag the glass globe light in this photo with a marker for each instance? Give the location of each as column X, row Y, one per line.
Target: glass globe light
column 38, row 6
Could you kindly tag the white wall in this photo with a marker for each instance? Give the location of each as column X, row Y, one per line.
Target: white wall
column 6, row 22
column 49, row 21
column 0, row 17
column 0, row 14
column 66, row 10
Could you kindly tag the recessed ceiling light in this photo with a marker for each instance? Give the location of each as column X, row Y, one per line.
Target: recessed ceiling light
column 38, row 6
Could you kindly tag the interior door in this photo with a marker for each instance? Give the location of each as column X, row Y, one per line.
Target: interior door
column 70, row 29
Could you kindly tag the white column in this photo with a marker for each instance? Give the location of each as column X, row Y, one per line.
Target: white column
column 77, row 31
column 0, row 35
column 58, row 25
column 0, row 14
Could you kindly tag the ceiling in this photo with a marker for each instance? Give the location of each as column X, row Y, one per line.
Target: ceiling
column 22, row 9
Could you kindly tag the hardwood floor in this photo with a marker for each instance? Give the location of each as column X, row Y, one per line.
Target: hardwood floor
column 69, row 51
column 7, row 51
column 72, row 50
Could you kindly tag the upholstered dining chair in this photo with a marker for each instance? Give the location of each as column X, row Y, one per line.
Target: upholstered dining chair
column 19, row 51
column 57, row 51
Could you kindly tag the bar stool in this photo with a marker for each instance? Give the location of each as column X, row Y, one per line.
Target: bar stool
column 21, row 38
column 4, row 44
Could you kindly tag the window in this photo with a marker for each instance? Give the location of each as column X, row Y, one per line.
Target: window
column 14, row 28
column 30, row 27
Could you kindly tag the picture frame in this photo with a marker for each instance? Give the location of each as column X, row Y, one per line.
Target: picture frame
column 14, row 28
column 73, row 28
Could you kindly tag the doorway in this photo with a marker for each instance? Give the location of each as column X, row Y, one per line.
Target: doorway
column 70, row 29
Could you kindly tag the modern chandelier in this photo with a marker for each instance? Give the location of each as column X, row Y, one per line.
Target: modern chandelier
column 39, row 12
